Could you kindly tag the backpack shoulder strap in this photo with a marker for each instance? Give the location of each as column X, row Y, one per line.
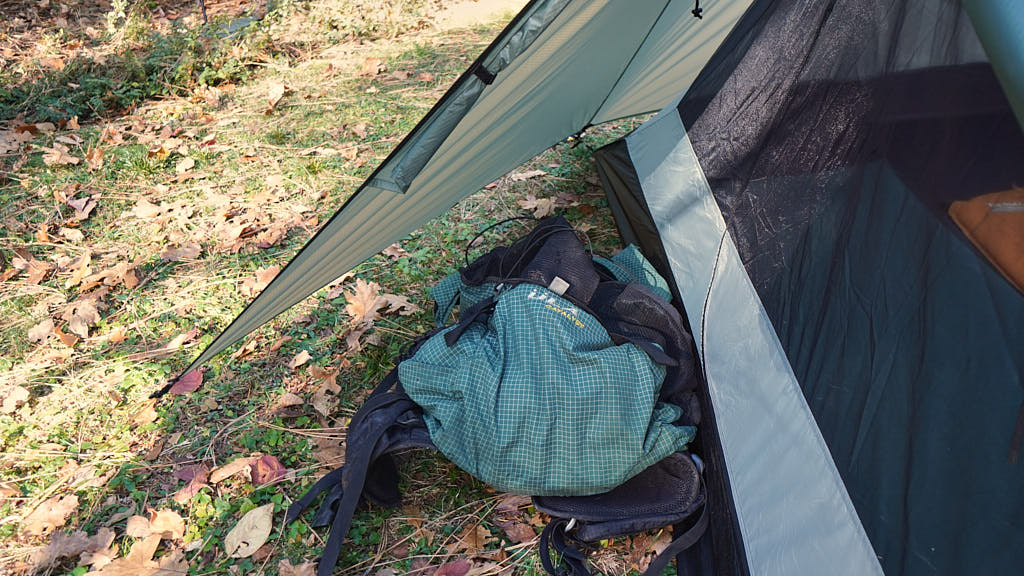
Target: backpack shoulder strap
column 446, row 295
column 389, row 421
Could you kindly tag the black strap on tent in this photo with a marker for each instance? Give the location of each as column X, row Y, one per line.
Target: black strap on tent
column 555, row 535
column 697, row 11
column 485, row 75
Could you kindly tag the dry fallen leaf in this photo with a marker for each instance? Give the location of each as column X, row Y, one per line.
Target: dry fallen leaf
column 116, row 335
column 352, row 338
column 267, row 469
column 400, row 304
column 324, row 398
column 80, row 315
column 94, row 159
column 139, row 561
column 184, row 165
column 146, row 209
column 286, row 400
column 228, row 470
column 64, row 545
column 52, row 513
column 138, row 527
column 250, row 533
column 520, row 176
column 364, row 302
column 73, row 235
column 41, row 331
column 69, row 139
column 37, row 270
column 146, row 414
column 13, row 140
column 82, row 206
column 252, row 286
column 395, row 251
column 189, row 382
column 285, row 568
column 459, row 567
column 167, row 523
column 301, row 358
column 372, row 67
column 193, row 472
column 68, row 340
column 274, row 95
column 473, row 537
column 511, row 503
column 196, row 476
column 328, row 452
column 59, row 155
column 12, row 397
column 541, row 207
column 518, row 532
column 186, row 251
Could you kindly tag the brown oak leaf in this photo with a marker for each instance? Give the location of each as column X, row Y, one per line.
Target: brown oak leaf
column 236, row 466
column 80, row 315
column 65, row 545
column 364, row 302
column 51, row 514
column 59, row 155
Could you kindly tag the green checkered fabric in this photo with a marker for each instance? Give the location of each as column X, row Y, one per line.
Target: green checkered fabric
column 539, row 400
column 451, row 291
column 629, row 265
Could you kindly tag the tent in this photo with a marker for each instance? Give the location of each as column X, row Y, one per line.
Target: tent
column 831, row 186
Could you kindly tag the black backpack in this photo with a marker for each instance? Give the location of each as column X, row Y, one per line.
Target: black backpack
column 670, row 493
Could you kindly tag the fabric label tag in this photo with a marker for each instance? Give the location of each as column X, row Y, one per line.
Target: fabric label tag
column 558, row 286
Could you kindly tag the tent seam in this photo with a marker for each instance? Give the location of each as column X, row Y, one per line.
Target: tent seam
column 628, row 63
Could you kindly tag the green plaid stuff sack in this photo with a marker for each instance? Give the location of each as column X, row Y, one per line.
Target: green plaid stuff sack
column 565, row 375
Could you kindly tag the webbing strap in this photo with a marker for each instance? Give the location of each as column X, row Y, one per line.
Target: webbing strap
column 478, row 312
column 554, row 536
column 446, row 295
column 356, row 467
column 680, row 543
column 655, row 353
column 299, row 506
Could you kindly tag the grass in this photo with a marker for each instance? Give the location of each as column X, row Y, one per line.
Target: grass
column 81, row 431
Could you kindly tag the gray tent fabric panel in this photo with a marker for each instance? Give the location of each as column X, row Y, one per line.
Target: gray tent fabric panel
column 399, row 172
column 1000, row 26
column 793, row 509
column 547, row 94
column 676, row 49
